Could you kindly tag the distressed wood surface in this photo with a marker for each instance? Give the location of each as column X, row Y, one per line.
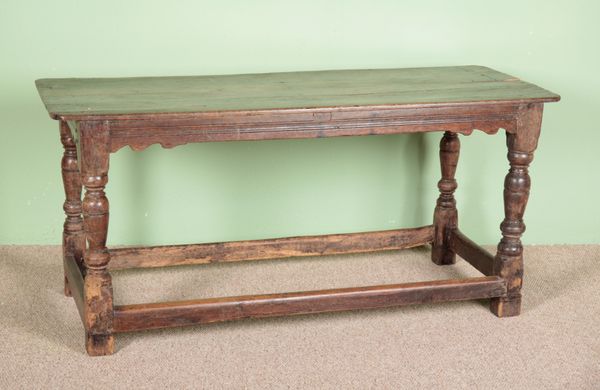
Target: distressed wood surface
column 77, row 97
column 445, row 216
column 202, row 311
column 75, row 280
column 474, row 254
column 170, row 130
column 508, row 262
column 73, row 243
column 332, row 244
column 97, row 291
column 104, row 115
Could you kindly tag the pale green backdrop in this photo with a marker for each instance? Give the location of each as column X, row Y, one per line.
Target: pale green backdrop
column 246, row 190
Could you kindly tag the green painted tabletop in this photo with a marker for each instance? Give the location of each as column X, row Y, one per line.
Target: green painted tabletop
column 292, row 90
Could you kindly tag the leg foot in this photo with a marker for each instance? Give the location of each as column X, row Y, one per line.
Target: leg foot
column 67, row 288
column 99, row 344
column 506, row 307
column 442, row 258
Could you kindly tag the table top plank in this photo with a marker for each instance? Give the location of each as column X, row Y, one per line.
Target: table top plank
column 76, row 97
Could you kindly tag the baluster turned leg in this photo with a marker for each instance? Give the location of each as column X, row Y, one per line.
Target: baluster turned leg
column 98, row 295
column 445, row 217
column 508, row 262
column 73, row 239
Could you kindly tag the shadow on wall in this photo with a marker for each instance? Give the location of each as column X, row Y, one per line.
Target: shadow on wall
column 250, row 190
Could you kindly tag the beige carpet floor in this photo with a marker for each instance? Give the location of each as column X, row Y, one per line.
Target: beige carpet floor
column 554, row 344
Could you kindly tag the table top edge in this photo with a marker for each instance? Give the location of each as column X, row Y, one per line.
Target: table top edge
column 167, row 115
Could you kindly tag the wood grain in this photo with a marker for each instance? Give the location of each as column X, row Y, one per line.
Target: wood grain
column 98, row 294
column 475, row 255
column 333, row 244
column 202, row 311
column 445, row 216
column 70, row 98
column 508, row 262
column 170, row 130
column 75, row 279
column 73, row 243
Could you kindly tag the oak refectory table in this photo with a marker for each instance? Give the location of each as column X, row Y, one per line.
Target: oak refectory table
column 99, row 116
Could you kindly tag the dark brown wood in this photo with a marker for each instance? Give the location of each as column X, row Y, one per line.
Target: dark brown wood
column 445, row 217
column 170, row 130
column 104, row 115
column 75, row 278
column 508, row 262
column 478, row 257
column 332, row 244
column 202, row 311
column 98, row 295
column 73, row 237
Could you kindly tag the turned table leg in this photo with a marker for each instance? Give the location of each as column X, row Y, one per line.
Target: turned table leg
column 73, row 243
column 98, row 295
column 445, row 217
column 508, row 262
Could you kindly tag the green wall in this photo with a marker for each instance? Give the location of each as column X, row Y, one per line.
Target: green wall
column 246, row 190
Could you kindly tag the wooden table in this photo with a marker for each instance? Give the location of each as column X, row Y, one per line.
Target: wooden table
column 100, row 116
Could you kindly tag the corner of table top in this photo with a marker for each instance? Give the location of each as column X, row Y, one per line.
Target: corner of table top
column 551, row 98
column 40, row 85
